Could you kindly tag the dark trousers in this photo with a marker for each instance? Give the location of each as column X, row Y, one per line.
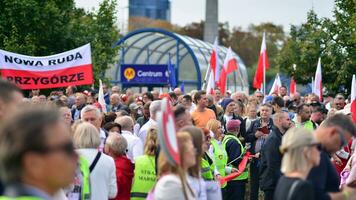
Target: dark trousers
column 235, row 190
column 268, row 194
column 254, row 179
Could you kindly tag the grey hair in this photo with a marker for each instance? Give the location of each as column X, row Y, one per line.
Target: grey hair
column 89, row 108
column 125, row 122
column 86, row 135
column 117, row 143
column 342, row 121
column 155, row 107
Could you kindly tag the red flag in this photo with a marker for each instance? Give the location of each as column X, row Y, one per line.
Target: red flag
column 292, row 86
column 230, row 65
column 241, row 168
column 262, row 63
column 353, row 98
column 214, row 61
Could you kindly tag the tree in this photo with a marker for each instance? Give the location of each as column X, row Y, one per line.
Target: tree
column 332, row 40
column 40, row 28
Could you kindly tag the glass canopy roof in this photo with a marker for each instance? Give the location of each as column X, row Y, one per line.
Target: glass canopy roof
column 190, row 56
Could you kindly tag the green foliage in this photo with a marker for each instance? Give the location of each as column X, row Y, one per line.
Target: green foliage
column 40, row 28
column 332, row 40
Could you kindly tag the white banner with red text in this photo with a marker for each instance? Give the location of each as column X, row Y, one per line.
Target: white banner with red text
column 72, row 67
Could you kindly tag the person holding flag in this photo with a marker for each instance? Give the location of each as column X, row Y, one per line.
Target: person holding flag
column 235, row 189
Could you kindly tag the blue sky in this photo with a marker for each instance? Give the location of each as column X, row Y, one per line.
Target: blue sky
column 236, row 12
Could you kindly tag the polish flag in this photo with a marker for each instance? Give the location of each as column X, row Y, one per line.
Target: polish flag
column 276, row 85
column 318, row 85
column 214, row 61
column 292, row 86
column 230, row 65
column 101, row 99
column 211, row 84
column 262, row 65
column 353, row 98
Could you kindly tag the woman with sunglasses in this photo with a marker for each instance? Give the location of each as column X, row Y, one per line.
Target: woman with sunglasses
column 301, row 153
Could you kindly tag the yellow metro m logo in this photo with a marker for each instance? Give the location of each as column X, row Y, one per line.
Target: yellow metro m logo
column 129, row 73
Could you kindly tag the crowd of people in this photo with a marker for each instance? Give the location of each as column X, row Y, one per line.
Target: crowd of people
column 69, row 146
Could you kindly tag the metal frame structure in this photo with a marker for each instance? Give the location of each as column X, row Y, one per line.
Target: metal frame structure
column 154, row 46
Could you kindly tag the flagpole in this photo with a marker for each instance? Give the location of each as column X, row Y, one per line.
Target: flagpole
column 264, row 68
column 207, row 74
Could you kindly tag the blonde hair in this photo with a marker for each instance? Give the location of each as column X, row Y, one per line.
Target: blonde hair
column 151, row 142
column 165, row 167
column 213, row 125
column 293, row 147
column 86, row 136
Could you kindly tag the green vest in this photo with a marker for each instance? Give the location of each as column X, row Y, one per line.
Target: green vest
column 145, row 177
column 207, row 170
column 307, row 125
column 244, row 174
column 20, row 198
column 220, row 158
column 84, row 168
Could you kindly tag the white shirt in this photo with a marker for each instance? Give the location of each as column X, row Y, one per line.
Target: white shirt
column 103, row 177
column 102, row 140
column 143, row 131
column 170, row 187
column 134, row 145
column 198, row 186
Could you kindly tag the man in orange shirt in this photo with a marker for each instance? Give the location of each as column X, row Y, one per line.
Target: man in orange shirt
column 201, row 115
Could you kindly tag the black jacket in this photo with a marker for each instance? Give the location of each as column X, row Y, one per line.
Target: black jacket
column 271, row 159
column 250, row 134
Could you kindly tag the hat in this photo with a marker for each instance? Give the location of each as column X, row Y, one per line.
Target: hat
column 233, row 125
column 226, row 102
column 133, row 106
column 268, row 99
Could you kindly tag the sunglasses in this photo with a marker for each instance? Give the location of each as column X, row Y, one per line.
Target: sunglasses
column 317, row 145
column 67, row 148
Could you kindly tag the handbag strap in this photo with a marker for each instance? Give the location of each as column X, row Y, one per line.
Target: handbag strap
column 95, row 161
column 292, row 189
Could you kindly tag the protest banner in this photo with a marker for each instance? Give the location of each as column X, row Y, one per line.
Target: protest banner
column 72, row 67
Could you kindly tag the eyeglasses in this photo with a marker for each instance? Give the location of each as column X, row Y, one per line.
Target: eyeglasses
column 342, row 138
column 317, row 145
column 67, row 148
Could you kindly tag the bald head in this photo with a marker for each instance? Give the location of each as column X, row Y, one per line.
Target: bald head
column 114, row 99
column 125, row 122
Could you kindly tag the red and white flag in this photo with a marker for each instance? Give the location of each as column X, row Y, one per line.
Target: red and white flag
column 230, row 65
column 353, row 98
column 276, row 85
column 292, row 86
column 214, row 61
column 101, row 99
column 69, row 68
column 318, row 85
column 262, row 65
column 210, row 84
